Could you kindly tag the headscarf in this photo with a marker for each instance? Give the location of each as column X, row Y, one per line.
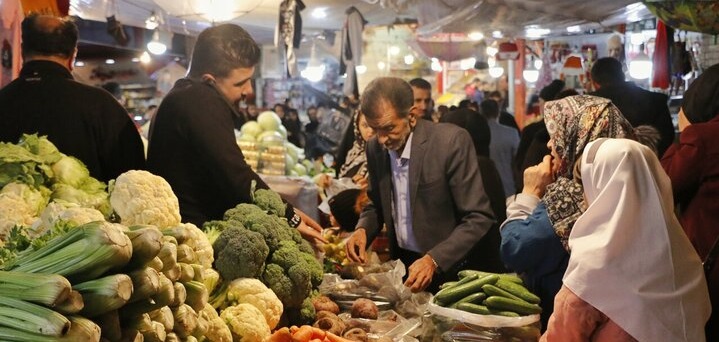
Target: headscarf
column 356, row 157
column 475, row 124
column 573, row 122
column 701, row 100
column 630, row 257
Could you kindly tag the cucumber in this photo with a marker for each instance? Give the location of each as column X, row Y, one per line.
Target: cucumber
column 474, row 308
column 503, row 313
column 511, row 277
column 517, row 290
column 473, row 298
column 492, row 290
column 447, row 284
column 506, row 304
column 455, row 293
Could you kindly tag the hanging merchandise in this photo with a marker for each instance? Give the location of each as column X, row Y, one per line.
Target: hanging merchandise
column 11, row 15
column 114, row 26
column 351, row 49
column 690, row 15
column 660, row 76
column 288, row 33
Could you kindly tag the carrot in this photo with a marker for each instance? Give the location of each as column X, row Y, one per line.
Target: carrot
column 315, row 340
column 334, row 338
column 318, row 333
column 281, row 335
column 303, row 334
column 293, row 329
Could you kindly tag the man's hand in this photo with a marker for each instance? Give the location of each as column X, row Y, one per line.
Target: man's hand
column 420, row 273
column 356, row 246
column 537, row 177
column 310, row 229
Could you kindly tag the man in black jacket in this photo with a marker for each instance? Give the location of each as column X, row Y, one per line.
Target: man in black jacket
column 82, row 121
column 639, row 106
column 193, row 141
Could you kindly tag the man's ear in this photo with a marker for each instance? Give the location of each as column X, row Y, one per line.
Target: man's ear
column 208, row 78
column 412, row 116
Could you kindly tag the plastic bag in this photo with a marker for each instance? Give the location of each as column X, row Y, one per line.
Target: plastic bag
column 446, row 325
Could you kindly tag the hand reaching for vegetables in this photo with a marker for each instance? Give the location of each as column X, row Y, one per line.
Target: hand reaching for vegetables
column 356, row 245
column 420, row 273
column 310, row 229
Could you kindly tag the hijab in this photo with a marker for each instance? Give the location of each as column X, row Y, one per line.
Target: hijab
column 630, row 257
column 356, row 157
column 572, row 123
column 701, row 100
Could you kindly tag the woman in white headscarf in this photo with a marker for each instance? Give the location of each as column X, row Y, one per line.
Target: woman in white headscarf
column 633, row 274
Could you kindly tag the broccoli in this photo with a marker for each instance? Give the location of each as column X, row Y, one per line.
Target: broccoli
column 270, row 201
column 241, row 210
column 240, row 253
column 277, row 280
column 213, row 228
column 315, row 268
column 304, row 315
column 305, row 247
column 270, row 227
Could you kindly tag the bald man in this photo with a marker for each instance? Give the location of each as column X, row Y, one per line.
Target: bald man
column 82, row 121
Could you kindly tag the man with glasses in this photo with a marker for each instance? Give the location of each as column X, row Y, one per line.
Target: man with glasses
column 425, row 185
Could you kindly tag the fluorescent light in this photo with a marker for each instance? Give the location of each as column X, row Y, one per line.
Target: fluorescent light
column 79, row 63
column 361, row 69
column 109, row 61
column 319, row 12
column 536, row 32
column 409, row 59
column 476, row 36
column 574, row 29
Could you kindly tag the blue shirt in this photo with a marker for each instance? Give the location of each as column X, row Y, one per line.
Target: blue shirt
column 400, row 198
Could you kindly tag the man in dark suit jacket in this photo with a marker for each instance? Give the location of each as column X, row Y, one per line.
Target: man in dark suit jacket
column 425, row 185
column 639, row 106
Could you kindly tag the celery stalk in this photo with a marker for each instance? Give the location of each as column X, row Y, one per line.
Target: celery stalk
column 109, row 323
column 31, row 318
column 146, row 283
column 146, row 244
column 197, row 296
column 46, row 289
column 72, row 304
column 104, row 294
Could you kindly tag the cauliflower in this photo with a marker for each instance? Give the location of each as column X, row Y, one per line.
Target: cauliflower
column 254, row 292
column 200, row 245
column 240, row 253
column 13, row 211
column 217, row 330
column 140, row 197
column 246, row 323
column 36, row 199
column 68, row 213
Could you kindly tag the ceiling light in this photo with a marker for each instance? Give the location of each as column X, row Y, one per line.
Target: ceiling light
column 476, row 36
column 496, row 71
column 536, row 32
column 152, row 22
column 319, row 12
column 315, row 70
column 79, row 63
column 394, row 50
column 135, row 60
column 155, row 46
column 145, row 58
column 497, row 34
column 467, row 63
column 109, row 61
column 640, row 67
column 361, row 69
column 381, row 65
column 574, row 29
column 409, row 59
column 491, row 50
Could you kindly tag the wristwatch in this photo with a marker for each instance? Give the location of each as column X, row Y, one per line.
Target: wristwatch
column 295, row 221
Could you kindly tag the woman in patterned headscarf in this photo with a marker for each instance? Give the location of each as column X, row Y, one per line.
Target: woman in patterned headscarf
column 355, row 165
column 540, row 218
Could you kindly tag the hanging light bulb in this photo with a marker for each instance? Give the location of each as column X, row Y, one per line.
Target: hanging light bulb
column 496, row 71
column 381, row 65
column 152, row 22
column 436, row 65
column 155, row 46
column 361, row 69
column 641, row 67
column 409, row 59
column 145, row 58
column 538, row 63
column 315, row 70
column 531, row 74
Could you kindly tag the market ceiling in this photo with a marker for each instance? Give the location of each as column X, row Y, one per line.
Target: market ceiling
column 259, row 17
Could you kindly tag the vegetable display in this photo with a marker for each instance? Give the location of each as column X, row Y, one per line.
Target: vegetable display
column 488, row 294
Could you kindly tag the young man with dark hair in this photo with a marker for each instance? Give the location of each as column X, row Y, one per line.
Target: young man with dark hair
column 422, row 92
column 503, row 146
column 83, row 121
column 193, row 141
column 425, row 185
column 639, row 106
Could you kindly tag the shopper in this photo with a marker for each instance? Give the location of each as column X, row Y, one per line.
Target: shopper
column 540, row 218
column 503, row 146
column 639, row 106
column 632, row 273
column 693, row 167
column 504, row 117
column 193, row 142
column 83, row 121
column 422, row 92
column 437, row 212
